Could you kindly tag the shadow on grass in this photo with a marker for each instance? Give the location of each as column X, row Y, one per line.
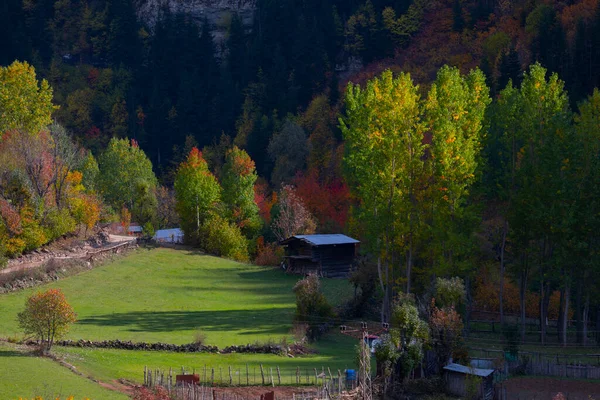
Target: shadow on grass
column 13, row 353
column 274, row 321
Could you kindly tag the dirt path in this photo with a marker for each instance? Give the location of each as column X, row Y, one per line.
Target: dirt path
column 64, row 251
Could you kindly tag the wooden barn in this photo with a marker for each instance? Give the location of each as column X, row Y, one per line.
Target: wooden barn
column 328, row 255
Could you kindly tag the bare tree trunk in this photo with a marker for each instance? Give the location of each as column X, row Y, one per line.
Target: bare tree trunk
column 502, row 267
column 578, row 312
column 383, row 289
column 586, row 313
column 597, row 327
column 559, row 322
column 544, row 301
column 566, row 313
column 469, row 304
column 522, row 292
column 409, row 262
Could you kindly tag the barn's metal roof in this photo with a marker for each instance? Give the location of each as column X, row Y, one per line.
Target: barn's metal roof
column 468, row 370
column 323, row 239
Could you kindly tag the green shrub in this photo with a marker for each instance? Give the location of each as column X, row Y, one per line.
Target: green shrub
column 58, row 223
column 312, row 307
column 148, row 229
column 224, row 239
column 32, row 233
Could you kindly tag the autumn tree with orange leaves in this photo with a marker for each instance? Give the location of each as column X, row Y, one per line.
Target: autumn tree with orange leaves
column 47, row 316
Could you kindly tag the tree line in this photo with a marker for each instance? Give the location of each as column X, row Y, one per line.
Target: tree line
column 416, row 171
column 426, row 171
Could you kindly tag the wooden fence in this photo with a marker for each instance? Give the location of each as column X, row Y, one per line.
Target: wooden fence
column 547, row 368
column 323, row 384
column 253, row 376
column 591, row 359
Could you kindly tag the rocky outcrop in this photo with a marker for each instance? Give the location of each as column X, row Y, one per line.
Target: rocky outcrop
column 216, row 12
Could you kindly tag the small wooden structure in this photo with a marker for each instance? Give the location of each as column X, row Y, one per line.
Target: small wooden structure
column 456, row 376
column 188, row 379
column 329, row 255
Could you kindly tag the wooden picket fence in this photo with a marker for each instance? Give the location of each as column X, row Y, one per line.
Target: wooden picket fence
column 256, row 375
column 324, row 384
column 548, row 368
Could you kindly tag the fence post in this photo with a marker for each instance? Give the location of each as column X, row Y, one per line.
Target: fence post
column 262, row 374
column 272, row 382
column 278, row 376
column 230, row 377
column 247, row 376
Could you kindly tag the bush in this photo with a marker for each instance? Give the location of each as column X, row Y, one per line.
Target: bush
column 224, row 239
column 58, row 223
column 450, row 292
column 32, row 234
column 144, row 393
column 200, row 338
column 312, row 307
column 148, row 229
column 269, row 254
column 14, row 247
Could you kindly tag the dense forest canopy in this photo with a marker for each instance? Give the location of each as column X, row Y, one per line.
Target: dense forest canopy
column 454, row 138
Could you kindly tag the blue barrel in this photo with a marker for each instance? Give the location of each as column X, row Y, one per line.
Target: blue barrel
column 350, row 375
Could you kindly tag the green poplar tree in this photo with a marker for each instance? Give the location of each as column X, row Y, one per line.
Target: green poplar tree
column 385, row 168
column 238, row 179
column 454, row 113
column 125, row 174
column 197, row 193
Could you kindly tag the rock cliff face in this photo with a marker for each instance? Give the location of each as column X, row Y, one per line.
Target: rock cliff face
column 216, row 12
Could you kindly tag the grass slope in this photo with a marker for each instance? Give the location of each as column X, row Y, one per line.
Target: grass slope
column 23, row 375
column 335, row 351
column 167, row 295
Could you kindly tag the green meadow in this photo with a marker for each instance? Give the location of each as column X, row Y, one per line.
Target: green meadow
column 167, row 295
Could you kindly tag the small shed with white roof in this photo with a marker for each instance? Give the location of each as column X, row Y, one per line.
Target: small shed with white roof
column 459, row 377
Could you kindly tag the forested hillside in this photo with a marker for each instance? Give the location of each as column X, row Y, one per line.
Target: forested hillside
column 454, row 138
column 162, row 80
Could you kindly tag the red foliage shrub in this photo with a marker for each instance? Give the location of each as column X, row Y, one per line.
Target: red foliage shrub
column 269, row 254
column 144, row 393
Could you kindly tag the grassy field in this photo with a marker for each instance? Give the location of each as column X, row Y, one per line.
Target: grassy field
column 168, row 295
column 23, row 375
column 335, row 352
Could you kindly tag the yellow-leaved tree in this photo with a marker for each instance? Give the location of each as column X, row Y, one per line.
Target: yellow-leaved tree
column 25, row 103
